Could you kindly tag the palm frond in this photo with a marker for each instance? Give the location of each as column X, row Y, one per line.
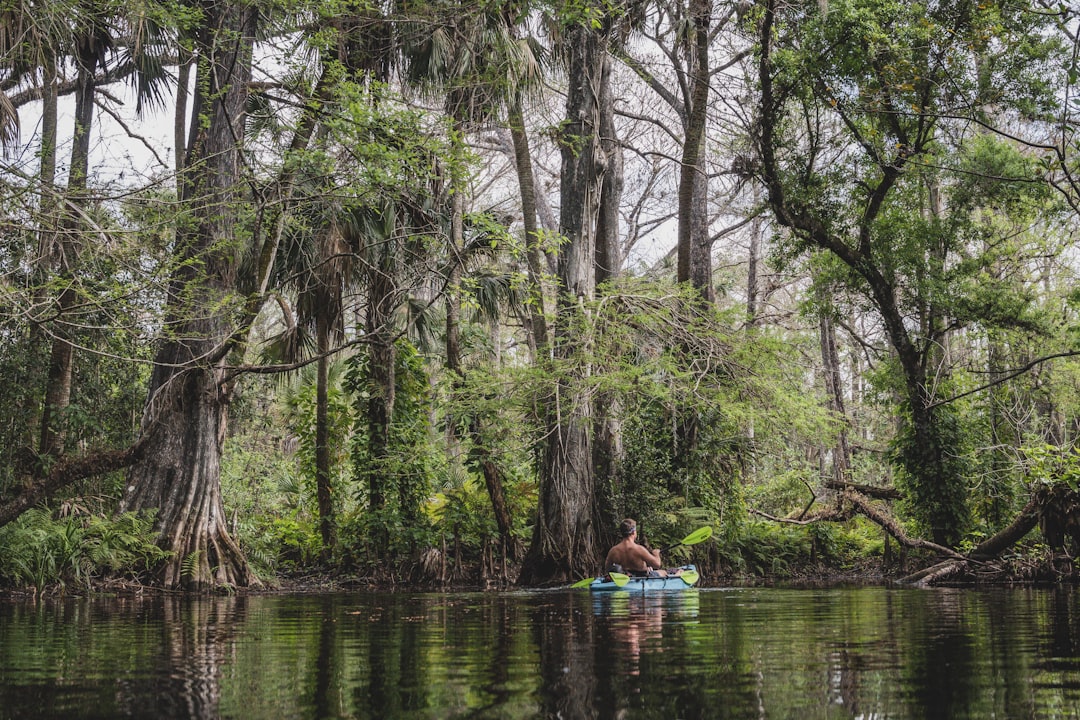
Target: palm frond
column 491, row 291
column 9, row 125
column 426, row 320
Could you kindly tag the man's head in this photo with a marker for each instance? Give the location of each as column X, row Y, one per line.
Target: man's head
column 627, row 527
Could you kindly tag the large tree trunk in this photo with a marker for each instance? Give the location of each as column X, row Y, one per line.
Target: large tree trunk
column 609, row 258
column 186, row 410
column 564, row 540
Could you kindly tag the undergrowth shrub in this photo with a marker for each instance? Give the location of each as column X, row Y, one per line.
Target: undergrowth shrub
column 40, row 551
column 776, row 550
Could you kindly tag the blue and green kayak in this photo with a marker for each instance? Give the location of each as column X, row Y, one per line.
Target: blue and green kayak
column 617, row 581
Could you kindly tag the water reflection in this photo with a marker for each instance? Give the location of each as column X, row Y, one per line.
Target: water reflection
column 629, row 622
column 749, row 653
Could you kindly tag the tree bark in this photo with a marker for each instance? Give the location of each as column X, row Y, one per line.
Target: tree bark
column 694, row 247
column 607, row 430
column 564, row 543
column 533, row 252
column 67, row 248
column 186, row 410
column 608, row 246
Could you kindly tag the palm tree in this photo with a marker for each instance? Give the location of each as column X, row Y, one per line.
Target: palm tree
column 474, row 63
column 93, row 46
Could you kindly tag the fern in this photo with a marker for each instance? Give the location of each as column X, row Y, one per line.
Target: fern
column 39, row 550
column 189, row 566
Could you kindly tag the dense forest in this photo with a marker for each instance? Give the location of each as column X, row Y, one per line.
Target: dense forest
column 438, row 292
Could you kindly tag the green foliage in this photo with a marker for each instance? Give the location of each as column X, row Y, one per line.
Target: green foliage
column 299, row 400
column 40, row 550
column 394, row 461
column 934, row 471
column 464, row 514
column 783, row 492
column 391, row 148
column 23, row 362
column 931, row 223
column 298, row 542
column 270, row 496
column 695, row 401
column 765, row 549
column 1050, row 465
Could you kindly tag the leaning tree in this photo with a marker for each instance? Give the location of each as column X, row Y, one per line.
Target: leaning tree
column 866, row 113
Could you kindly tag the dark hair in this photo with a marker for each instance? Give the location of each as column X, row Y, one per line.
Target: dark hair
column 627, row 527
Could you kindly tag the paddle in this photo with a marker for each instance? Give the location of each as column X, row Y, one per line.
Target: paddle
column 689, row 576
column 700, row 535
column 618, row 578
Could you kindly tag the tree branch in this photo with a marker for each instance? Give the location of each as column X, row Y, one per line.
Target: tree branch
column 66, row 471
column 1008, row 376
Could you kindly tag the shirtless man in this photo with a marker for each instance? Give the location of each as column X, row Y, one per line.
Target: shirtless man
column 635, row 559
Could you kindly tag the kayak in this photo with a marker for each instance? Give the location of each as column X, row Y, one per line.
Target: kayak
column 687, row 578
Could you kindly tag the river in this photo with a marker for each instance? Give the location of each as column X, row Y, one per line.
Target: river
column 867, row 652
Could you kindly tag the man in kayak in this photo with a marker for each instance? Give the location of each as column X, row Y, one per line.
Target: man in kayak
column 634, row 559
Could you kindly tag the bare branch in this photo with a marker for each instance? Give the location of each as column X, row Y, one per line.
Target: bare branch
column 1008, row 376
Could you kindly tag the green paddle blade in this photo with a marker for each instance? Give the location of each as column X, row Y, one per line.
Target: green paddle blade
column 584, row 582
column 700, row 535
column 689, row 576
column 619, row 579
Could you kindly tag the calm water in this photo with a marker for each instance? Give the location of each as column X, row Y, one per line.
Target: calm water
column 709, row 653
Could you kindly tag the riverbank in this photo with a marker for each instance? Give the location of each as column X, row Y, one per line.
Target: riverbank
column 1039, row 570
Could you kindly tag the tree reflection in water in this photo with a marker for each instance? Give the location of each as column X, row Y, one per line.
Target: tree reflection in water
column 197, row 644
column 707, row 653
column 564, row 637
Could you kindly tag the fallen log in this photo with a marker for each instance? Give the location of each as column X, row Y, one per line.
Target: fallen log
column 1011, row 534
column 954, row 563
column 891, row 526
column 874, row 491
column 934, row 573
